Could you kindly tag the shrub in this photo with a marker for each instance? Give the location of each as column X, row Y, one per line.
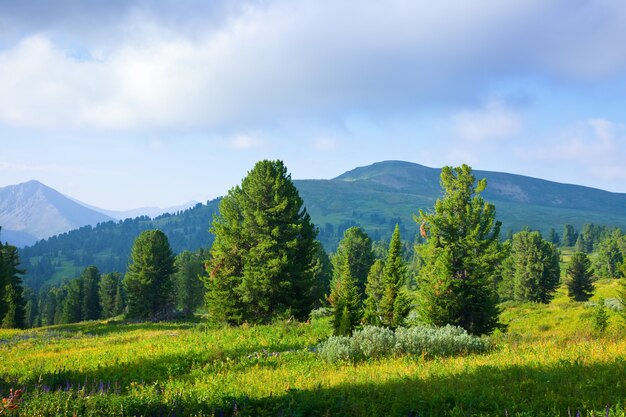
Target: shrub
column 375, row 342
column 437, row 341
column 339, row 348
column 613, row 304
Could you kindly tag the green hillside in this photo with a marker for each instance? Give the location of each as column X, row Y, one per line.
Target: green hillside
column 550, row 362
column 383, row 194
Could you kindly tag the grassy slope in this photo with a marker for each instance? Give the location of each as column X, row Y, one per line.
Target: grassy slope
column 548, row 361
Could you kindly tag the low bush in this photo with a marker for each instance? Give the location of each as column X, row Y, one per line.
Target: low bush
column 374, row 342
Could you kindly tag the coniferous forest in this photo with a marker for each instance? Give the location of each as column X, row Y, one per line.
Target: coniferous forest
column 242, row 307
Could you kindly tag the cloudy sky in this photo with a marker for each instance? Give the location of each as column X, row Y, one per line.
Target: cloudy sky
column 123, row 104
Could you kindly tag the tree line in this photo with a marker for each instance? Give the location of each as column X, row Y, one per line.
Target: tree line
column 266, row 262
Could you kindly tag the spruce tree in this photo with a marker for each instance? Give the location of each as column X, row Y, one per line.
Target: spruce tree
column 108, row 290
column 374, row 290
column 580, row 277
column 531, row 272
column 187, row 281
column 12, row 314
column 569, row 236
column 322, row 270
column 347, row 312
column 72, row 306
column 355, row 253
column 148, row 282
column 119, row 306
column 394, row 303
column 263, row 254
column 460, row 256
column 90, row 306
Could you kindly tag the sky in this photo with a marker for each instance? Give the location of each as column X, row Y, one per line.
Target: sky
column 125, row 104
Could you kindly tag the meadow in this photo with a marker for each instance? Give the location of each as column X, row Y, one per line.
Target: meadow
column 549, row 362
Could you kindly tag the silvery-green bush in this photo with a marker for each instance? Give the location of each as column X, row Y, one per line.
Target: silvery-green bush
column 437, row 341
column 375, row 342
column 339, row 348
column 613, row 304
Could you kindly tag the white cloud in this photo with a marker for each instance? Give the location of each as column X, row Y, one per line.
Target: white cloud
column 324, row 143
column 494, row 120
column 244, row 142
column 261, row 62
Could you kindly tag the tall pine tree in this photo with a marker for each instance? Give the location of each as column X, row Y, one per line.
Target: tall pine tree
column 262, row 258
column 108, row 290
column 580, row 277
column 347, row 313
column 12, row 313
column 148, row 282
column 460, row 256
column 394, row 304
column 355, row 253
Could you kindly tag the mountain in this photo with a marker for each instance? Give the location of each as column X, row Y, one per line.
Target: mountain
column 375, row 197
column 142, row 211
column 382, row 194
column 32, row 211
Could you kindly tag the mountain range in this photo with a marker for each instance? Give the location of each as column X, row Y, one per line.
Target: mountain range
column 32, row 211
column 375, row 197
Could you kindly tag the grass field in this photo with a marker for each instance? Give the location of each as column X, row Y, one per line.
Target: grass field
column 550, row 362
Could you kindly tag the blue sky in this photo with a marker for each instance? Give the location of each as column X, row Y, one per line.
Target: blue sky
column 123, row 104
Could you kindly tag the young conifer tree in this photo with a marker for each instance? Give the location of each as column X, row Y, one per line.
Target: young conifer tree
column 148, row 282
column 347, row 313
column 394, row 304
column 460, row 256
column 580, row 273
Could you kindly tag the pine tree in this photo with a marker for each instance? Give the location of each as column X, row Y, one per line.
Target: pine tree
column 580, row 283
column 108, row 289
column 263, row 253
column 90, row 305
column 460, row 257
column 12, row 302
column 72, row 310
column 187, row 281
column 580, row 245
column 553, row 237
column 31, row 310
column 531, row 272
column 609, row 257
column 355, row 253
column 322, row 270
column 148, row 282
column 119, row 306
column 393, row 311
column 569, row 236
column 374, row 290
column 347, row 313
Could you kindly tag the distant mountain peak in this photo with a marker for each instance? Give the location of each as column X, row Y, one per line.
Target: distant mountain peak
column 31, row 210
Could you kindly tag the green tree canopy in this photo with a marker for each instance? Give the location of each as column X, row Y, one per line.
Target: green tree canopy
column 108, row 289
column 532, row 271
column 609, row 257
column 12, row 313
column 148, row 282
column 394, row 304
column 187, row 281
column 580, row 277
column 460, row 256
column 263, row 256
column 355, row 253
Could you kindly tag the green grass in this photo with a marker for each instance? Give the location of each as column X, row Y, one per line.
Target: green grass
column 550, row 360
